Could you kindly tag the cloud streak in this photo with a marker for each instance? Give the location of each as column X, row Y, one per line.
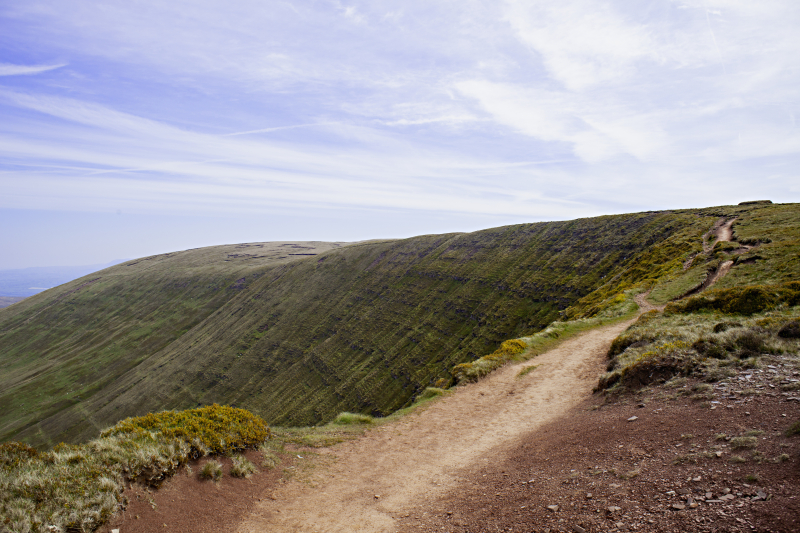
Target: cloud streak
column 529, row 109
column 7, row 69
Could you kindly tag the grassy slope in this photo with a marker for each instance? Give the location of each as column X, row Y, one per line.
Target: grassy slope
column 668, row 340
column 60, row 347
column 360, row 328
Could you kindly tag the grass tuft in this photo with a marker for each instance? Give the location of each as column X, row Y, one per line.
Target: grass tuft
column 350, row 419
column 527, row 370
column 242, row 467
column 430, row 392
column 744, row 442
column 211, row 470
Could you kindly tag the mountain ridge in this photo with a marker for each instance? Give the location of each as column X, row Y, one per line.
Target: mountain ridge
column 360, row 327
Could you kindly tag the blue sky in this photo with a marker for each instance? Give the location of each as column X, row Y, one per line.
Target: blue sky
column 136, row 127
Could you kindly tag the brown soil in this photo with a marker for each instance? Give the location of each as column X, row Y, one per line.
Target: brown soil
column 658, row 473
column 491, row 456
column 187, row 503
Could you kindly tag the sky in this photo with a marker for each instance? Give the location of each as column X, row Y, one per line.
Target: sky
column 129, row 128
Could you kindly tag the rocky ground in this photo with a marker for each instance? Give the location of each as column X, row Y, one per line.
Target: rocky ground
column 685, row 457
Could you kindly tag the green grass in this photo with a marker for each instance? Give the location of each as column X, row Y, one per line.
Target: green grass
column 350, row 419
column 361, row 328
column 527, row 370
column 676, row 286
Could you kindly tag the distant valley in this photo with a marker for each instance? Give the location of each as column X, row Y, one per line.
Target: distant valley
column 24, row 282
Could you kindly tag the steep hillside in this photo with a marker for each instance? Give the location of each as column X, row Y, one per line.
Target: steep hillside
column 60, row 347
column 361, row 327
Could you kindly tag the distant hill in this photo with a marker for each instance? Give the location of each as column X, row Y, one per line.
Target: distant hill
column 298, row 332
column 5, row 301
column 24, row 282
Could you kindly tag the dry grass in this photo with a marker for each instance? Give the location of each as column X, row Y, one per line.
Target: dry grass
column 710, row 345
column 744, row 442
column 79, row 487
column 211, row 470
column 242, row 467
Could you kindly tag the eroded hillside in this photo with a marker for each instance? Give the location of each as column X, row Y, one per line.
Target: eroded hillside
column 361, row 327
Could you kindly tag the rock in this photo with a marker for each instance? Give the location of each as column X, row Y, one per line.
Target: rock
column 588, row 495
column 377, row 496
column 553, row 508
column 631, row 419
column 678, row 506
column 614, row 509
column 698, row 478
column 713, row 501
column 709, row 495
column 694, row 505
column 727, row 497
column 684, row 491
column 578, row 529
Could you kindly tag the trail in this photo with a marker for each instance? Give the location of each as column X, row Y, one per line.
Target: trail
column 376, row 479
column 723, row 232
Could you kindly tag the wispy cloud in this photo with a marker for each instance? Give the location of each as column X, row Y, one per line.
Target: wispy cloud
column 534, row 109
column 7, row 69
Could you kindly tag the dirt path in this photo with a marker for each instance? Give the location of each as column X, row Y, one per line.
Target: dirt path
column 377, row 479
column 722, row 232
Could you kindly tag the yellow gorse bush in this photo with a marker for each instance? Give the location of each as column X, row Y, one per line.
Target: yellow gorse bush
column 482, row 366
column 219, row 428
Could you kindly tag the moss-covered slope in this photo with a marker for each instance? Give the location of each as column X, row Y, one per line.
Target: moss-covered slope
column 358, row 328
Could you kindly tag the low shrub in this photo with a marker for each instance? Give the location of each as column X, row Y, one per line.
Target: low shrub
column 623, row 342
column 710, row 347
column 348, row 419
column 790, row 331
column 211, row 470
column 242, row 467
column 213, row 429
column 750, row 343
column 746, row 300
column 725, row 326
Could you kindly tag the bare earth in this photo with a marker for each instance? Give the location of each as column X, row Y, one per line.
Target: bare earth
column 376, row 480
